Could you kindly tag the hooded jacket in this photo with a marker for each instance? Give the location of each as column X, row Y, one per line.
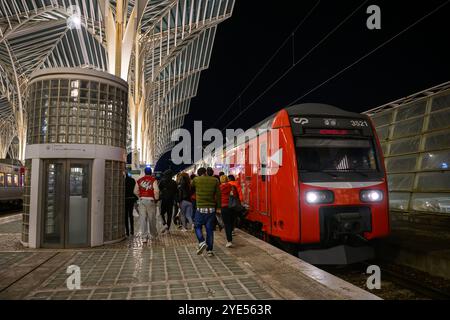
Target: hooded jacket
column 168, row 188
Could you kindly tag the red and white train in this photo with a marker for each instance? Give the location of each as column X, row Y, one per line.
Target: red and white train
column 322, row 190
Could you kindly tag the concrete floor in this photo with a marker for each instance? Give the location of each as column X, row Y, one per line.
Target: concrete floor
column 165, row 269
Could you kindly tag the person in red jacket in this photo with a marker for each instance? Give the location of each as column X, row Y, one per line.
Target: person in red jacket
column 237, row 185
column 148, row 191
column 227, row 213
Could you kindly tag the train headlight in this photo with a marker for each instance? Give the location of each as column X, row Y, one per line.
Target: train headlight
column 371, row 196
column 319, row 197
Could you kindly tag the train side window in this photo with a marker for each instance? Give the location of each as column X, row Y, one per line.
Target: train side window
column 2, row 179
column 263, row 159
column 9, row 180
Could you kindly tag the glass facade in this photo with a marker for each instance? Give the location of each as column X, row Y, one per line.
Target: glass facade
column 84, row 111
column 76, row 106
column 114, row 201
column 26, row 202
column 415, row 138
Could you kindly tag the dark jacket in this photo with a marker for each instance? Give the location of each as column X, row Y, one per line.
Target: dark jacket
column 168, row 188
column 184, row 192
column 130, row 184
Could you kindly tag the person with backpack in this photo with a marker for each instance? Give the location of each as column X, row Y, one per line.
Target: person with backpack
column 237, row 198
column 226, row 190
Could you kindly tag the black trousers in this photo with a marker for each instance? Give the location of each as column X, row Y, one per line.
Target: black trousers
column 129, row 219
column 167, row 208
column 228, row 220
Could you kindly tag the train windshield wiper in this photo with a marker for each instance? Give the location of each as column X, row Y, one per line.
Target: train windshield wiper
column 320, row 171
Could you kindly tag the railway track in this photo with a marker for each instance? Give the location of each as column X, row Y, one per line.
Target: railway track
column 420, row 284
column 4, row 213
column 413, row 284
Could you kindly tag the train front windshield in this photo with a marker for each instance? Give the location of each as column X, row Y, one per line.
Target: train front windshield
column 331, row 159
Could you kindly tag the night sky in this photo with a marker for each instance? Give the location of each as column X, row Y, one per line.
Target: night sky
column 413, row 62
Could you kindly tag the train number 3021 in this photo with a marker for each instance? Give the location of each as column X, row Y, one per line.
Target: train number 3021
column 359, row 124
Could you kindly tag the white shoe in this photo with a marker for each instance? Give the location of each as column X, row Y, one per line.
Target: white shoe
column 184, row 230
column 164, row 230
column 201, row 247
column 229, row 245
column 210, row 254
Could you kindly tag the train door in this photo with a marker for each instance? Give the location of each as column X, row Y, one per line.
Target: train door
column 65, row 204
column 262, row 179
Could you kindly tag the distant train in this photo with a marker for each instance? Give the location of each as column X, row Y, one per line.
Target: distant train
column 12, row 175
column 320, row 190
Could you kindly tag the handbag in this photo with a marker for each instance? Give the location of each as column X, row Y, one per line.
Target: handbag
column 234, row 202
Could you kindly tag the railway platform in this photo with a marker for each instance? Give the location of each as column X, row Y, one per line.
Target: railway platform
column 165, row 269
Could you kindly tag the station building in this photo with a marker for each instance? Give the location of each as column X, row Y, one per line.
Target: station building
column 83, row 85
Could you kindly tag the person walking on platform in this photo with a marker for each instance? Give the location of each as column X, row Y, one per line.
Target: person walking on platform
column 185, row 201
column 227, row 213
column 236, row 213
column 168, row 192
column 148, row 191
column 219, row 220
column 130, row 201
column 207, row 192
column 194, row 197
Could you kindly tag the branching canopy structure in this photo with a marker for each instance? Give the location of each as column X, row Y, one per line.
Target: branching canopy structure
column 159, row 46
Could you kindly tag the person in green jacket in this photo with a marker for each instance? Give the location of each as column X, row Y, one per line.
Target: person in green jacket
column 208, row 198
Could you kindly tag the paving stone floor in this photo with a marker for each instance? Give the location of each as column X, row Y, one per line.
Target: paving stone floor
column 165, row 269
column 11, row 227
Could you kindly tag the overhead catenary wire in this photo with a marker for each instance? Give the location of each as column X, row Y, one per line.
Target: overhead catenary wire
column 264, row 67
column 369, row 53
column 299, row 61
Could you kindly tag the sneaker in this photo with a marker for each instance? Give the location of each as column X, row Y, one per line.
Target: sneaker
column 183, row 230
column 201, row 247
column 164, row 229
column 210, row 254
column 229, row 245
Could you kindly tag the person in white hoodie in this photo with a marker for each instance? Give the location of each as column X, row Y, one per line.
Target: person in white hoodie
column 148, row 191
